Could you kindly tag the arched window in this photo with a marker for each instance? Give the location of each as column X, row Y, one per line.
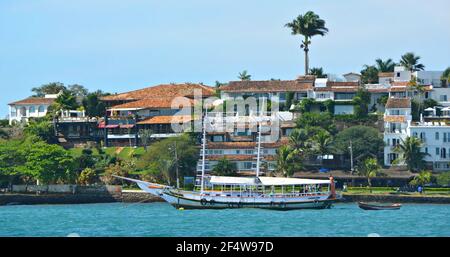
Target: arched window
column 41, row 109
column 32, row 109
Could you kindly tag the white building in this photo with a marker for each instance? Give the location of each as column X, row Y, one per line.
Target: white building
column 397, row 119
column 435, row 136
column 32, row 107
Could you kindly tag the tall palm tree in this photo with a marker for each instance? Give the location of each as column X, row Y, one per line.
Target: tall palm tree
column 385, row 66
column 307, row 25
column 409, row 150
column 298, row 138
column 318, row 72
column 244, row 76
column 369, row 168
column 411, row 62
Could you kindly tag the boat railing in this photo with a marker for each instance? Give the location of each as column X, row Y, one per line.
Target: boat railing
column 262, row 195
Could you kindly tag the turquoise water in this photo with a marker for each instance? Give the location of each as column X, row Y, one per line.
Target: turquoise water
column 160, row 219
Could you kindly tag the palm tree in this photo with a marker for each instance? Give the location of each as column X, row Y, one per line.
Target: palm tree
column 285, row 160
column 385, row 66
column 369, row 168
column 411, row 62
column 298, row 138
column 424, row 177
column 322, row 143
column 409, row 149
column 318, row 72
column 369, row 74
column 225, row 168
column 244, row 76
column 307, row 25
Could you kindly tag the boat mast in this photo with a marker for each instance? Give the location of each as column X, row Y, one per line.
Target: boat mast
column 203, row 152
column 258, row 153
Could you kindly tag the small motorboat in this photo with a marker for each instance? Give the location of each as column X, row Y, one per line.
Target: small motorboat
column 378, row 206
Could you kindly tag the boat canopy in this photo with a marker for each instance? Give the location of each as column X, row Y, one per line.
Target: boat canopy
column 264, row 181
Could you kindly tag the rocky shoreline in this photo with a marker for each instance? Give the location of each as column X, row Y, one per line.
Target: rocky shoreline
column 136, row 196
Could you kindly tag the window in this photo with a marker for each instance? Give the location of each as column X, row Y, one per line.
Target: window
column 443, row 98
column 41, row 109
column 437, row 150
column 445, row 137
column 436, row 136
column 32, row 109
column 398, row 74
column 443, row 153
column 247, row 165
column 218, row 138
column 414, row 134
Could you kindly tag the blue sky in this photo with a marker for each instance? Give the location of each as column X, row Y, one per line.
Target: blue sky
column 117, row 45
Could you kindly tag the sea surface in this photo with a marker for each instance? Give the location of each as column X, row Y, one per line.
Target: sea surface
column 161, row 219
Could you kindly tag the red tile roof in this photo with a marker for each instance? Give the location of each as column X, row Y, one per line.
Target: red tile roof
column 167, row 119
column 162, row 102
column 269, row 86
column 340, row 87
column 398, row 103
column 394, row 118
column 34, row 100
column 163, row 90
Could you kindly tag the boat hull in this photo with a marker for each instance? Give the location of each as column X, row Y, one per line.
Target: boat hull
column 372, row 207
column 181, row 201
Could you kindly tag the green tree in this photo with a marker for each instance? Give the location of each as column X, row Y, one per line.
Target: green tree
column 78, row 90
column 369, row 74
column 47, row 163
column 385, row 66
column 369, row 168
column 322, row 143
column 244, row 76
column 313, row 119
column 410, row 153
column 162, row 152
column 50, row 88
column 87, row 177
column 411, row 62
column 318, row 72
column 93, row 106
column 421, row 179
column 361, row 101
column 287, row 162
column 41, row 128
column 307, row 25
column 145, row 136
column 443, row 179
column 224, row 167
column 445, row 78
column 11, row 160
column 298, row 139
column 65, row 101
column 366, row 142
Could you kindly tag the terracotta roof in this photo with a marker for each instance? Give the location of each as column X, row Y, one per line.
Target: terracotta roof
column 398, row 103
column 167, row 119
column 163, row 90
column 394, row 118
column 378, row 90
column 400, row 83
column 269, row 86
column 245, row 145
column 34, row 100
column 406, row 88
column 160, row 102
column 334, row 86
column 385, row 74
column 239, row 157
